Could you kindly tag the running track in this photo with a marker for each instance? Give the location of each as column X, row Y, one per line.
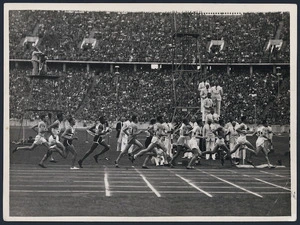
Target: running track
column 103, row 190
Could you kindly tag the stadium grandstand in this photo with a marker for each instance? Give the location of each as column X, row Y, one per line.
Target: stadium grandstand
column 180, row 116
column 247, row 53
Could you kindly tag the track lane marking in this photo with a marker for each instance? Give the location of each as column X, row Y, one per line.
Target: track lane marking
column 194, row 186
column 263, row 181
column 107, row 189
column 148, row 183
column 266, row 182
column 228, row 182
column 277, row 175
column 56, row 191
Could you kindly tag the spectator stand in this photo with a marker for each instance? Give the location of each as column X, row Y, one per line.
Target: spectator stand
column 43, row 89
column 186, row 66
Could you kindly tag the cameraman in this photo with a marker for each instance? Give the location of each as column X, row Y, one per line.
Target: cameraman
column 42, row 66
column 35, row 59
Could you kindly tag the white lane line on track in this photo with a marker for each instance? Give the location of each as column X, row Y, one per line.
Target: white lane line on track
column 55, row 191
column 124, row 186
column 97, row 168
column 170, row 182
column 72, row 185
column 55, row 185
column 70, row 175
column 133, row 192
column 263, row 181
column 274, row 174
column 72, row 191
column 107, row 190
column 266, row 182
column 193, row 185
column 148, row 183
column 126, row 182
column 228, row 182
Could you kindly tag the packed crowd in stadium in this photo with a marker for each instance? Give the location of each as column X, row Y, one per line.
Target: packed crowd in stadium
column 147, row 37
column 150, row 92
column 228, row 93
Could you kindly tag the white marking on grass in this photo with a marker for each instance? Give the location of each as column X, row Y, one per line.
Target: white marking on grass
column 107, row 190
column 228, row 182
column 148, row 183
column 194, row 186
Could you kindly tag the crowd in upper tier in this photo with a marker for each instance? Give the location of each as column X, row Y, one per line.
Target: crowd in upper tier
column 150, row 92
column 147, row 37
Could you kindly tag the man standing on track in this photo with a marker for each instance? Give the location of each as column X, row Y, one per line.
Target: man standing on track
column 118, row 129
column 123, row 138
column 270, row 136
column 209, row 136
column 233, row 136
column 168, row 139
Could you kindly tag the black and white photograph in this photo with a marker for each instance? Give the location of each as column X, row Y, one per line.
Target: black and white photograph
column 150, row 112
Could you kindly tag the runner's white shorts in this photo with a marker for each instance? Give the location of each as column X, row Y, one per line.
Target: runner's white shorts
column 39, row 140
column 241, row 140
column 156, row 140
column 193, row 144
column 220, row 141
column 260, row 142
column 53, row 142
column 182, row 140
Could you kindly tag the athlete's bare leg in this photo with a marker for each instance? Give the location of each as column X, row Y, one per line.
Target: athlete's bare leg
column 196, row 154
column 90, row 151
column 122, row 153
column 25, row 148
column 178, row 152
column 74, row 155
column 105, row 149
column 150, row 147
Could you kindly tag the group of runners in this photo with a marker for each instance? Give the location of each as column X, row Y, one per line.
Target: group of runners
column 160, row 140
